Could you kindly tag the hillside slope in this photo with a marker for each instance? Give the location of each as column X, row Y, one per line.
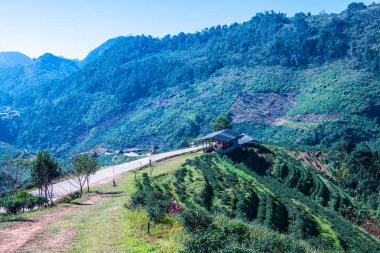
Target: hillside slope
column 258, row 199
column 266, row 185
column 305, row 79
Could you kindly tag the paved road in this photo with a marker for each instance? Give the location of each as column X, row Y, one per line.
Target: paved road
column 65, row 187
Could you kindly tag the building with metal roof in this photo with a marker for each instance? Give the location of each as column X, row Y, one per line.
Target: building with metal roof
column 225, row 141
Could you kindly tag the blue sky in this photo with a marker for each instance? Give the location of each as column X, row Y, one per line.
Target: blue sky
column 72, row 28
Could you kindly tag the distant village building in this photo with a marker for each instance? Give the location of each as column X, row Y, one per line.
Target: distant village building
column 225, row 141
column 138, row 151
column 98, row 152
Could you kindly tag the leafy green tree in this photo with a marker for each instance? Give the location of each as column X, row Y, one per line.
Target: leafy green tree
column 220, row 123
column 44, row 171
column 84, row 165
column 357, row 168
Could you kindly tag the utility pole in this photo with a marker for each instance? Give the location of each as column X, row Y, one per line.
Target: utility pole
column 113, row 170
column 113, row 177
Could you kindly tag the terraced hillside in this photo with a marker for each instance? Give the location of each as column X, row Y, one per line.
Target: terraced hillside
column 267, row 185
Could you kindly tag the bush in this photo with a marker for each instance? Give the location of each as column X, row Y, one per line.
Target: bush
column 195, row 218
column 226, row 235
column 20, row 201
column 152, row 199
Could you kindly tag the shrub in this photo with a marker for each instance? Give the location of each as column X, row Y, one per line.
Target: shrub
column 195, row 218
column 20, row 201
column 152, row 199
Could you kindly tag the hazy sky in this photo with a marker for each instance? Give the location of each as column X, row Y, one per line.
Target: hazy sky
column 72, row 28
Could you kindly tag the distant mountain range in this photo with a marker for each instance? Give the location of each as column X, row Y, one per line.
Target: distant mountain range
column 308, row 79
column 11, row 59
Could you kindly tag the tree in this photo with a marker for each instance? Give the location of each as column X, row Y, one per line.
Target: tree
column 220, row 123
column 151, row 199
column 84, row 165
column 13, row 174
column 352, row 7
column 357, row 168
column 44, row 170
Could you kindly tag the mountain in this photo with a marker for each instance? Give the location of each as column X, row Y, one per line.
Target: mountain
column 18, row 86
column 97, row 52
column 307, row 79
column 11, row 59
column 14, row 80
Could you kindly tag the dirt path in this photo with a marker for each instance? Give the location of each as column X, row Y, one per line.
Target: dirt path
column 21, row 236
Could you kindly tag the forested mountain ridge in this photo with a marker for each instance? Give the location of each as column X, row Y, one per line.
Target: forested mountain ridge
column 308, row 79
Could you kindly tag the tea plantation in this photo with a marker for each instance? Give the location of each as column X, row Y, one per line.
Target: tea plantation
column 261, row 186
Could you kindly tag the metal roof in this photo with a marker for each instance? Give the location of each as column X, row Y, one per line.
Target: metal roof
column 229, row 135
column 246, row 138
column 224, row 135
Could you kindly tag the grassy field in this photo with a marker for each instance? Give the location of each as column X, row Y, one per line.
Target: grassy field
column 100, row 221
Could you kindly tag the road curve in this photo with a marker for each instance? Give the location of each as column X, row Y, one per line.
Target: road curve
column 65, row 187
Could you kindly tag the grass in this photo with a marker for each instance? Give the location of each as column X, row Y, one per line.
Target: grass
column 106, row 225
column 7, row 220
column 123, row 229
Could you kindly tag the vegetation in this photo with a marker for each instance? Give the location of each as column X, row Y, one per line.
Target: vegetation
column 14, row 175
column 357, row 168
column 225, row 235
column 20, row 201
column 122, row 229
column 84, row 165
column 268, row 186
column 44, row 172
column 155, row 203
column 108, row 160
column 304, row 80
column 235, row 203
column 220, row 123
column 321, row 69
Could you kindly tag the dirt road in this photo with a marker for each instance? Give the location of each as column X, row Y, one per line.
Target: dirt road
column 22, row 234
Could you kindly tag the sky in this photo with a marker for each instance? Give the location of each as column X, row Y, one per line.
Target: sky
column 72, row 28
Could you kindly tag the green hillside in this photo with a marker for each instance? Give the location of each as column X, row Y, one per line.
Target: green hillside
column 265, row 185
column 6, row 149
column 256, row 199
column 307, row 79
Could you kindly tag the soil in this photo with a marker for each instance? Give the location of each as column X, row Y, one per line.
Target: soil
column 261, row 107
column 314, row 160
column 371, row 226
column 271, row 109
column 22, row 236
